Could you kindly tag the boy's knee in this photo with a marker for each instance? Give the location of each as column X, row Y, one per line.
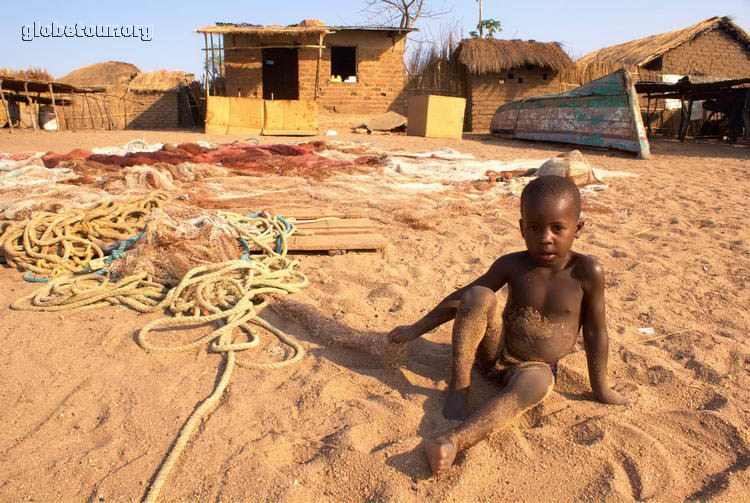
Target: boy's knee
column 478, row 297
column 534, row 384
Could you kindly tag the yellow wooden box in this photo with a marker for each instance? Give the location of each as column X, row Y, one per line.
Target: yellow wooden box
column 436, row 116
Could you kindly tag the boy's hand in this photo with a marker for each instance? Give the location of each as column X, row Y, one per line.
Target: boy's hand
column 611, row 397
column 404, row 333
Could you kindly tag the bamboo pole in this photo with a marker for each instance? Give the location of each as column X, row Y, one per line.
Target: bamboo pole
column 91, row 112
column 110, row 123
column 54, row 107
column 125, row 111
column 5, row 105
column 72, row 125
column 31, row 108
column 317, row 70
column 205, row 42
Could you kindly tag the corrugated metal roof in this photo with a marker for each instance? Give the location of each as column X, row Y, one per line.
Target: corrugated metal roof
column 342, row 28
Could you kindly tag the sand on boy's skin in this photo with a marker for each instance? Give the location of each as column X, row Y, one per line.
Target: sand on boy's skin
column 87, row 415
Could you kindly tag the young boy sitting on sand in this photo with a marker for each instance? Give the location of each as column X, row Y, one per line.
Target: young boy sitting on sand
column 553, row 292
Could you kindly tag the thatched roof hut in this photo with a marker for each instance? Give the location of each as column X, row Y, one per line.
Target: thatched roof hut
column 111, row 73
column 486, row 55
column 159, row 81
column 645, row 52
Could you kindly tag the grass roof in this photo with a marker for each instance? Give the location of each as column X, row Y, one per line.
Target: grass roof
column 158, row 81
column 111, row 73
column 32, row 73
column 642, row 51
column 487, row 55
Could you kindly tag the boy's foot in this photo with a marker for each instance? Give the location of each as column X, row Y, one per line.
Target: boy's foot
column 455, row 404
column 440, row 454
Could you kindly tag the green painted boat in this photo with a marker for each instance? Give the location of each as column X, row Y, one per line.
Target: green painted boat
column 603, row 113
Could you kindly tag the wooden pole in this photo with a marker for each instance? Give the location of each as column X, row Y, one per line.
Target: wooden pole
column 682, row 117
column 31, row 108
column 5, row 105
column 689, row 115
column 317, row 71
column 91, row 112
column 205, row 42
column 125, row 111
column 72, row 124
column 110, row 123
column 54, row 107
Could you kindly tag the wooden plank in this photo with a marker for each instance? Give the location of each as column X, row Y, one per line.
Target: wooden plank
column 331, row 232
column 338, row 223
column 337, row 242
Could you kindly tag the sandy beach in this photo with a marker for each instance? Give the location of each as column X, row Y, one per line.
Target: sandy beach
column 88, row 415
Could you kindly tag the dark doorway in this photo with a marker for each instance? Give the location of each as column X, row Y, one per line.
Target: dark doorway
column 280, row 74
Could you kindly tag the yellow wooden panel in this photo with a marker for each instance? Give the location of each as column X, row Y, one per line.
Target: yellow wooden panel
column 245, row 116
column 436, row 116
column 290, row 117
column 217, row 115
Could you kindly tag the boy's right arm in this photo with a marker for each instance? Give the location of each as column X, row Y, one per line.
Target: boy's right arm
column 494, row 279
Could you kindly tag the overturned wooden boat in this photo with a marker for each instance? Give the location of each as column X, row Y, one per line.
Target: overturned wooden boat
column 603, row 113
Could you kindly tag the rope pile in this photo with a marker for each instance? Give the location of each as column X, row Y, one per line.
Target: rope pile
column 228, row 293
column 66, row 242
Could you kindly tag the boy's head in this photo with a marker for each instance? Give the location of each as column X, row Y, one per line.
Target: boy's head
column 550, row 218
column 552, row 187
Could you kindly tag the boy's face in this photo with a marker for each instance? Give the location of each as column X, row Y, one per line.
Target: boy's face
column 549, row 228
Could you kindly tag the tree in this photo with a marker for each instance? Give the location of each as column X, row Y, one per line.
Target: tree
column 491, row 25
column 403, row 12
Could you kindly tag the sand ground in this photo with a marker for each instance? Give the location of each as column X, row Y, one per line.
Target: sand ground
column 87, row 415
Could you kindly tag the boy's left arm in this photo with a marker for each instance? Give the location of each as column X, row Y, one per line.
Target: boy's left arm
column 595, row 336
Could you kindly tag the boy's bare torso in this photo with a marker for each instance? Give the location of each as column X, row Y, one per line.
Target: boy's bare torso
column 542, row 316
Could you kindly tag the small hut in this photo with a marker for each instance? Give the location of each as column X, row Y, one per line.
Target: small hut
column 716, row 47
column 160, row 100
column 710, row 51
column 501, row 71
column 127, row 98
column 349, row 69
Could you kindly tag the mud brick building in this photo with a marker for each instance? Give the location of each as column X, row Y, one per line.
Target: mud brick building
column 501, row 71
column 715, row 48
column 348, row 69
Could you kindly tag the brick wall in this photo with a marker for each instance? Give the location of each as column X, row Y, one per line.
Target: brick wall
column 485, row 92
column 154, row 111
column 714, row 53
column 380, row 71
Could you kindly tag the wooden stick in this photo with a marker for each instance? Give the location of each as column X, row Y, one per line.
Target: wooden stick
column 31, row 108
column 205, row 41
column 663, row 336
column 72, row 110
column 5, row 105
column 54, row 107
column 125, row 112
column 317, row 70
column 91, row 113
column 644, row 231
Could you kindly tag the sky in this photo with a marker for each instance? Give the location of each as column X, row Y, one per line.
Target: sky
column 165, row 36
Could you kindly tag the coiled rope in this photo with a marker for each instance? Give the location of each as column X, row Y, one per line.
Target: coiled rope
column 228, row 293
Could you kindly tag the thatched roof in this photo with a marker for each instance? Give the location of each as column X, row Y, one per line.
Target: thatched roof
column 111, row 73
column 488, row 55
column 642, row 51
column 32, row 73
column 158, row 81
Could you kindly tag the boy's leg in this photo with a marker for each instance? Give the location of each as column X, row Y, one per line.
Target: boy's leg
column 526, row 387
column 476, row 334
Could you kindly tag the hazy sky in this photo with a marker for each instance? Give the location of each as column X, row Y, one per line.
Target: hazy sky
column 581, row 25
